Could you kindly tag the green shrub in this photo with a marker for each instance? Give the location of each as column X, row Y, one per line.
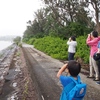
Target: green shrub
column 20, row 44
column 18, row 54
column 82, row 49
column 31, row 41
column 55, row 47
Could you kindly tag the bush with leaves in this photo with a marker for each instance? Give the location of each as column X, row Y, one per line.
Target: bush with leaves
column 55, row 47
column 31, row 41
column 17, row 40
column 82, row 49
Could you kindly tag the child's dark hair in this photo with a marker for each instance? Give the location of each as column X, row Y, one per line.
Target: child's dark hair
column 95, row 33
column 74, row 68
column 73, row 38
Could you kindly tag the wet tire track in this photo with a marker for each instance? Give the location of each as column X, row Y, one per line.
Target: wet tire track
column 46, row 88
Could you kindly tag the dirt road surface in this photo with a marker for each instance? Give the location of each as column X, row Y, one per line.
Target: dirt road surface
column 43, row 71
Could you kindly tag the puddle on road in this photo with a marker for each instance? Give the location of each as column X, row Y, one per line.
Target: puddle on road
column 7, row 88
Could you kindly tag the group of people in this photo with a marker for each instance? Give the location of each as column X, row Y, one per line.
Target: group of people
column 73, row 67
column 93, row 42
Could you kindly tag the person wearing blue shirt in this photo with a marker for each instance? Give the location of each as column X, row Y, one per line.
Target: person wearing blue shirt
column 73, row 69
column 98, row 47
column 98, row 62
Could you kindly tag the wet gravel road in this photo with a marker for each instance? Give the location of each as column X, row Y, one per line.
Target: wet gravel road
column 43, row 71
column 47, row 89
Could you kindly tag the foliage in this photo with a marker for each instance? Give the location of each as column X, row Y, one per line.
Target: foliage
column 31, row 41
column 77, row 29
column 55, row 47
column 18, row 54
column 95, row 7
column 82, row 49
column 20, row 44
column 27, row 35
column 73, row 28
column 59, row 20
column 17, row 40
column 1, row 55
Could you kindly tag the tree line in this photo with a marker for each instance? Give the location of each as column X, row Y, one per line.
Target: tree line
column 63, row 18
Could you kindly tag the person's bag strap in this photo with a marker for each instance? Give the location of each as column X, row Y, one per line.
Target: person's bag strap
column 76, row 81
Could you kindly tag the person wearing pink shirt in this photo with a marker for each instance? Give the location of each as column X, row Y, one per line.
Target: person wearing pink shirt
column 92, row 42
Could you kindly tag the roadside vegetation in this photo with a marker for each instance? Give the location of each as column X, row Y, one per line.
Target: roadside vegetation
column 17, row 40
column 57, row 47
column 57, row 21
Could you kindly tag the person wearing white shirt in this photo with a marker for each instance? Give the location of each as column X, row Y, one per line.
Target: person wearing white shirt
column 72, row 43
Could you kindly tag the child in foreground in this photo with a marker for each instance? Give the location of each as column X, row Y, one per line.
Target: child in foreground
column 70, row 92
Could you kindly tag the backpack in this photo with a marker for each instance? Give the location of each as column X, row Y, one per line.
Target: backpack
column 96, row 56
column 75, row 90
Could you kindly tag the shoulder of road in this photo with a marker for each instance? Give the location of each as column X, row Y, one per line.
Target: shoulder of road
column 51, row 66
column 59, row 63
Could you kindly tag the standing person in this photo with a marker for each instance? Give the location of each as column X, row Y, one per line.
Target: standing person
column 73, row 69
column 98, row 47
column 92, row 41
column 98, row 62
column 72, row 47
column 97, row 58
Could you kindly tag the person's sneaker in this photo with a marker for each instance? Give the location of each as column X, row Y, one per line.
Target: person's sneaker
column 96, row 79
column 98, row 82
column 90, row 76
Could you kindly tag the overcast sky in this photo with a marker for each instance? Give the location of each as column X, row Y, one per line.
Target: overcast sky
column 15, row 13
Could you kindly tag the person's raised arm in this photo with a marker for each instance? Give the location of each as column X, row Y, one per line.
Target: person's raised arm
column 61, row 70
column 69, row 41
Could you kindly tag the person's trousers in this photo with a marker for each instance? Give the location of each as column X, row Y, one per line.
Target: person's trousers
column 93, row 67
column 70, row 56
column 98, row 63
